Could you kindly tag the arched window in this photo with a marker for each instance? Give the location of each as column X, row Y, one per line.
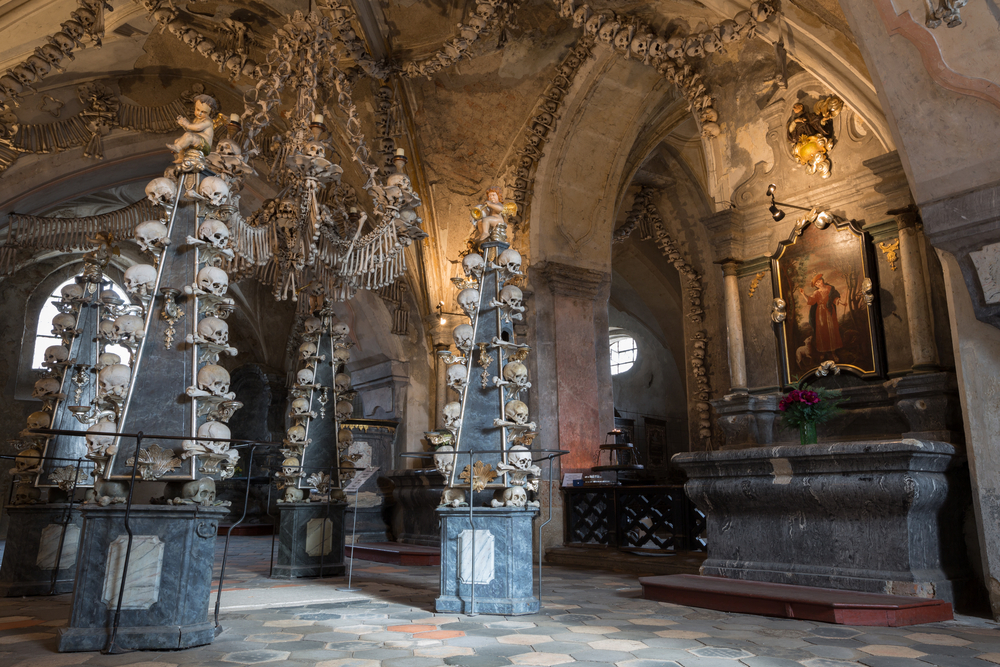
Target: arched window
column 43, row 334
column 624, row 351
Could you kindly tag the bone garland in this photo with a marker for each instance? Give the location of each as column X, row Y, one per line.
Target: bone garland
column 86, row 21
column 645, row 216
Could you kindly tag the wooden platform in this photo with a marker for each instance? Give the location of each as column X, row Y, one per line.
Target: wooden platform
column 609, row 558
column 394, row 553
column 247, row 529
column 803, row 602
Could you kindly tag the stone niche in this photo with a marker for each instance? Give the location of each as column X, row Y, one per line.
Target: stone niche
column 876, row 516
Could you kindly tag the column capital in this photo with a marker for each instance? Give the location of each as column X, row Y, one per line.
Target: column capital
column 726, row 228
column 906, row 217
column 572, row 281
column 729, row 266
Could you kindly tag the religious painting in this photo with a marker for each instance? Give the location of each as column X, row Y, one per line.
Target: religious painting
column 824, row 310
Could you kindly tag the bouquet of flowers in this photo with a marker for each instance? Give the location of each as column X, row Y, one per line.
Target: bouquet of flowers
column 806, row 406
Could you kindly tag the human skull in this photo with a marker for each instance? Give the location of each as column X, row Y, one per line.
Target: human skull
column 297, row 434
column 39, row 420
column 675, row 47
column 623, row 39
column 342, row 382
column 113, row 380
column 300, row 406
column 151, row 234
column 101, row 445
column 658, row 48
column 214, row 330
column 313, row 325
column 341, row 330
column 593, row 25
column 291, row 466
column 26, row 494
column 344, row 410
column 215, row 190
column 214, row 430
column 516, row 411
column 608, row 31
column 110, row 297
column 515, row 372
column 726, row 31
column 510, row 260
column 453, row 416
column 140, row 279
column 304, row 377
column 468, row 300
column 214, row 379
column 515, row 496
column 108, row 359
column 444, row 459
column 46, row 387
column 129, row 327
column 55, row 354
column 761, row 11
column 456, row 376
column 693, row 47
column 228, row 147
column 71, row 292
column 213, row 280
column 63, row 324
column 307, row 350
column 206, row 48
column 315, row 149
column 29, row 459
column 473, row 265
column 463, row 337
column 106, row 330
column 580, row 16
column 511, row 297
column 161, row 192
column 519, row 457
column 711, row 43
column 215, row 233
column 200, row 491
column 341, row 355
column 640, row 45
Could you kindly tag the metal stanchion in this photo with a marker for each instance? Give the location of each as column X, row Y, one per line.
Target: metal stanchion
column 62, row 534
column 112, row 646
column 225, row 551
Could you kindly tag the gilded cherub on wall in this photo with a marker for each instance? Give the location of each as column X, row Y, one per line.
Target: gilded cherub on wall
column 489, row 217
column 811, row 134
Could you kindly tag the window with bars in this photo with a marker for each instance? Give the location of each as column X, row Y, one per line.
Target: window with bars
column 43, row 333
column 624, row 352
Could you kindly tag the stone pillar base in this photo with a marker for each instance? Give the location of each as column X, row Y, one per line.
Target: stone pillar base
column 29, row 558
column 876, row 516
column 310, row 540
column 504, row 578
column 167, row 587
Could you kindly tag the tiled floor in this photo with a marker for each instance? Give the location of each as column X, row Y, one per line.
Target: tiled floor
column 589, row 619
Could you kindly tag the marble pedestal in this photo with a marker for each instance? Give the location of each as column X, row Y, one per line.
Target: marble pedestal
column 504, row 577
column 310, row 540
column 877, row 516
column 32, row 550
column 167, row 587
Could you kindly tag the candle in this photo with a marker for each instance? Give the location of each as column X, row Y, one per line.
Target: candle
column 400, row 152
column 234, row 118
column 318, row 119
column 354, row 209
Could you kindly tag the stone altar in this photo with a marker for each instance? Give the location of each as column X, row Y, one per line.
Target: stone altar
column 872, row 516
column 168, row 584
column 310, row 540
column 29, row 561
column 504, row 577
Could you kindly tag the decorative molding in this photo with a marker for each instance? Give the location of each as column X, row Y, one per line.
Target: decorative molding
column 930, row 54
column 572, row 281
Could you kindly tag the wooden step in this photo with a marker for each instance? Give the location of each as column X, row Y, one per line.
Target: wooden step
column 247, row 529
column 394, row 553
column 828, row 605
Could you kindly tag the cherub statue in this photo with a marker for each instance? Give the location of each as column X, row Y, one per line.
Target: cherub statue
column 200, row 131
column 811, row 134
column 488, row 217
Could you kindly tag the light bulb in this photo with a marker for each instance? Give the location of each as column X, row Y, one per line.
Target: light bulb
column 443, row 321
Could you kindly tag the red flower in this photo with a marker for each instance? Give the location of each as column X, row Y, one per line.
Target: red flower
column 810, row 397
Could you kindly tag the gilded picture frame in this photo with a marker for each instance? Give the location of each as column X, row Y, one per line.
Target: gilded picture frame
column 825, row 307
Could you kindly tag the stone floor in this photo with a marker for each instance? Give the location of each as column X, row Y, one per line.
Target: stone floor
column 590, row 619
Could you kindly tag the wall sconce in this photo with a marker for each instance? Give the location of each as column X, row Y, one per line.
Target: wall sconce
column 441, row 313
column 776, row 212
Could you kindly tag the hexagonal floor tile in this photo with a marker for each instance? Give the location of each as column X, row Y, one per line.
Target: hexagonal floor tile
column 511, row 625
column 593, row 629
column 827, row 662
column 720, row 652
column 680, row 634
column 255, row 657
column 651, row 621
column 626, row 645
column 937, row 639
column 540, row 659
column 524, row 640
column 891, row 651
column 349, row 662
column 443, row 651
column 273, row 638
column 647, row 663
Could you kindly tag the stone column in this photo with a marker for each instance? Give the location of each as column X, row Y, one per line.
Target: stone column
column 918, row 311
column 734, row 329
column 441, row 340
column 573, row 333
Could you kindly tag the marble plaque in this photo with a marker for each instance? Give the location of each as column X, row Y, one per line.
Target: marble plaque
column 48, row 547
column 987, row 262
column 483, row 557
column 319, row 537
column 145, row 567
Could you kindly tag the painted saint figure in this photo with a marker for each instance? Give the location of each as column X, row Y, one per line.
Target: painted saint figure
column 823, row 317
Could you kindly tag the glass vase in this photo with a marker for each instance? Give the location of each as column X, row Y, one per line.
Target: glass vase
column 807, row 434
